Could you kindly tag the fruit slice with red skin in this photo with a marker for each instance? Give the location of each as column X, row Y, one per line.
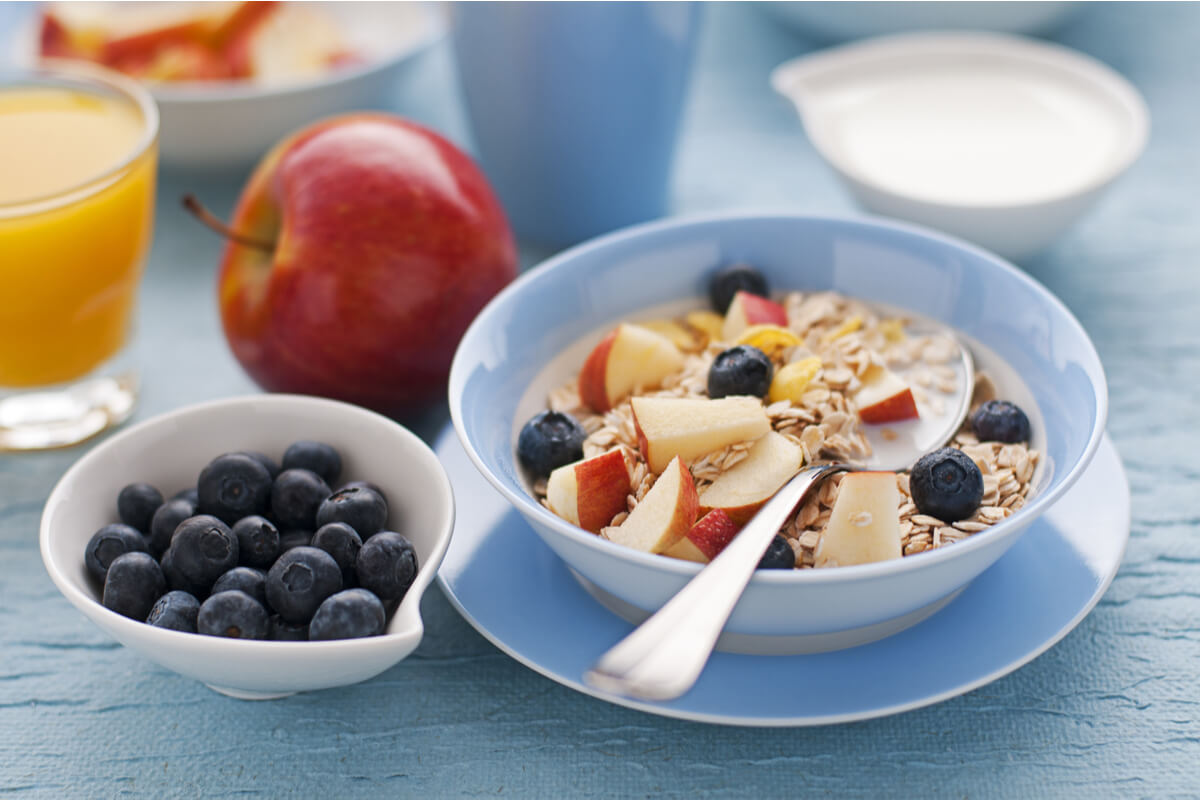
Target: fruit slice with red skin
column 589, row 493
column 629, row 356
column 689, row 427
column 742, row 489
column 706, row 539
column 749, row 309
column 388, row 242
column 884, row 397
column 864, row 525
column 664, row 515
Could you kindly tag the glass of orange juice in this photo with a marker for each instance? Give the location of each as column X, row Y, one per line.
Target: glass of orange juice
column 78, row 153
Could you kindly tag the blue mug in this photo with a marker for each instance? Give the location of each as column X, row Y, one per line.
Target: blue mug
column 575, row 108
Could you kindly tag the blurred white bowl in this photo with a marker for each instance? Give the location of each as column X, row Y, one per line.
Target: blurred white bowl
column 169, row 451
column 842, row 20
column 229, row 124
column 1001, row 140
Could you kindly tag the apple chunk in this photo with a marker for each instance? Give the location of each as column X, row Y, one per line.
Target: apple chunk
column 627, row 357
column 742, row 490
column 750, row 309
column 689, row 427
column 665, row 514
column 706, row 539
column 884, row 397
column 864, row 525
column 589, row 493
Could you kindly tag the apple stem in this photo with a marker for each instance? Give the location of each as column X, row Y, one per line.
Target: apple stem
column 192, row 204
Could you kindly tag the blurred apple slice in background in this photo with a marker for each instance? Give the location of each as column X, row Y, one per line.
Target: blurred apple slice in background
column 749, row 309
column 689, row 427
column 741, row 490
column 591, row 492
column 884, row 397
column 664, row 515
column 627, row 357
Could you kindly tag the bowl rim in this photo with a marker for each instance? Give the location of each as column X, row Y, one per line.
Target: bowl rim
column 1045, row 55
column 85, row 602
column 526, row 505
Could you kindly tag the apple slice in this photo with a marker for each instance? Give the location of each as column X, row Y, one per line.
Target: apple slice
column 864, row 525
column 628, row 356
column 689, row 427
column 884, row 397
column 665, row 514
column 742, row 490
column 750, row 309
column 706, row 539
column 589, row 493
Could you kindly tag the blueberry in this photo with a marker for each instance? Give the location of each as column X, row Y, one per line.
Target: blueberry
column 107, row 544
column 134, row 583
column 136, row 505
column 233, row 486
column 295, row 497
column 350, row 614
column 300, row 580
column 283, row 631
column 1000, row 421
column 291, row 539
column 175, row 611
column 361, row 508
column 343, row 543
column 728, row 281
column 946, row 484
column 166, row 519
column 258, row 541
column 243, row 579
column 233, row 614
column 779, row 555
column 202, row 550
column 314, row 456
column 364, row 485
column 741, row 370
column 191, row 495
column 387, row 565
column 264, row 459
column 548, row 441
column 176, row 580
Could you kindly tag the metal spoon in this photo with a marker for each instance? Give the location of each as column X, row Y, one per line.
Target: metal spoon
column 664, row 656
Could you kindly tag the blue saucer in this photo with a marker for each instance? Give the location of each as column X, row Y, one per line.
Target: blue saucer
column 516, row 592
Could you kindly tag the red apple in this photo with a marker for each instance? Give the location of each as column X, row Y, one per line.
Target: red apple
column 749, row 309
column 706, row 539
column 884, row 397
column 591, row 492
column 379, row 243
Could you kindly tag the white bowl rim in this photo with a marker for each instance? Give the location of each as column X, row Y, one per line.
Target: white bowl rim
column 425, row 571
column 1015, row 47
column 527, row 506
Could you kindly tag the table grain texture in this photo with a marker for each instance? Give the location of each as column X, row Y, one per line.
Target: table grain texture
column 1111, row 711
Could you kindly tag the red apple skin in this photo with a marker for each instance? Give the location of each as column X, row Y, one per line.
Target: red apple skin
column 593, row 375
column 897, row 408
column 603, row 485
column 761, row 311
column 713, row 532
column 389, row 241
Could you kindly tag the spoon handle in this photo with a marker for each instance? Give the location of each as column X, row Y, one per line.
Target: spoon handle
column 665, row 655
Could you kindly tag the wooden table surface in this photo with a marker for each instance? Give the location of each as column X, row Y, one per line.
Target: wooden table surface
column 1110, row 711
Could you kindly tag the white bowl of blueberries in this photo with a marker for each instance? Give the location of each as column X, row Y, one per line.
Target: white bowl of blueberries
column 263, row 545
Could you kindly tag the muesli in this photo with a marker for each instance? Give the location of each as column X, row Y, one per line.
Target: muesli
column 675, row 431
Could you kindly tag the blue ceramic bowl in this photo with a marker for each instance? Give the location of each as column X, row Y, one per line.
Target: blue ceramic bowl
column 536, row 332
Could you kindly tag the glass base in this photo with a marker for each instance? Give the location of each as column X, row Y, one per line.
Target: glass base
column 67, row 414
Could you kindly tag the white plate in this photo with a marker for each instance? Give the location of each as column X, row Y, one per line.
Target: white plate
column 517, row 593
column 234, row 123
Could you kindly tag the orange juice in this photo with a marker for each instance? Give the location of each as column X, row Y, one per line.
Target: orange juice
column 77, row 174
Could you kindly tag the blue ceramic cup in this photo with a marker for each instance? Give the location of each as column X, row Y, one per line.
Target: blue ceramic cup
column 575, row 108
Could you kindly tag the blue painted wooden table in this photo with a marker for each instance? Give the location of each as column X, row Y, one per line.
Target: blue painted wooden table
column 1110, row 711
